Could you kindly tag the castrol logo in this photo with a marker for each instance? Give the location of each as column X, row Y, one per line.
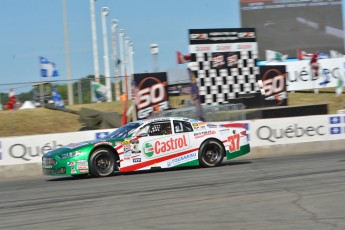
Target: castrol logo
column 165, row 146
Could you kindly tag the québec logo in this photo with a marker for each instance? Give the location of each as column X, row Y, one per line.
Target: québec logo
column 337, row 125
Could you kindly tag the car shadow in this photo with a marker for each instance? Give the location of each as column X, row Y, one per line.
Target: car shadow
column 149, row 171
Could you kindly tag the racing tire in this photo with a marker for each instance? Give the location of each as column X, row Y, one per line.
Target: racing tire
column 102, row 163
column 211, row 153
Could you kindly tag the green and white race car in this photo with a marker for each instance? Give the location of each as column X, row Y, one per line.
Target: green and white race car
column 147, row 144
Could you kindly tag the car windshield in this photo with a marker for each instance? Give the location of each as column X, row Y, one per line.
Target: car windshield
column 124, row 131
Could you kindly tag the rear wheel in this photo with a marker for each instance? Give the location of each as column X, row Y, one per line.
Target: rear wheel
column 211, row 153
column 102, row 163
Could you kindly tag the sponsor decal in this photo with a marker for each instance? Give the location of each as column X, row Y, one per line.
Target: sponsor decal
column 83, row 170
column 104, row 143
column 267, row 133
column 83, row 167
column 101, row 135
column 182, row 159
column 82, row 163
column 47, row 166
column 136, row 160
column 126, row 142
column 337, row 125
column 127, row 148
column 204, row 133
column 71, row 163
column 163, row 146
column 73, row 170
column 149, row 150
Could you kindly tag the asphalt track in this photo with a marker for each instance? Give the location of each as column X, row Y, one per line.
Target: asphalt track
column 290, row 192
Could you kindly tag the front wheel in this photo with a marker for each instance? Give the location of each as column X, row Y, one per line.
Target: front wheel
column 102, row 163
column 211, row 153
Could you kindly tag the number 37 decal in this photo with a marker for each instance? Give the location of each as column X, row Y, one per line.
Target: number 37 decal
column 234, row 141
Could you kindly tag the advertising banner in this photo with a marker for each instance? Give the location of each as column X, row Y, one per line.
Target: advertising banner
column 151, row 93
column 292, row 130
column 299, row 74
column 274, row 85
column 30, row 149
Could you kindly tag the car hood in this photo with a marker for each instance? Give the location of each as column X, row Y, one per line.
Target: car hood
column 79, row 146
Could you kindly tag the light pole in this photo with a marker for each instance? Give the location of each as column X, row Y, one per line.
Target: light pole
column 154, row 53
column 105, row 12
column 128, row 68
column 68, row 61
column 123, row 61
column 115, row 59
column 94, row 40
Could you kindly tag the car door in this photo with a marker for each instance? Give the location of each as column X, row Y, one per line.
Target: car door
column 158, row 143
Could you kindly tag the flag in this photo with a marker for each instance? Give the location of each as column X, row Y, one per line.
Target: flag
column 335, row 54
column 182, row 58
column 58, row 101
column 195, row 95
column 48, row 69
column 275, row 56
column 340, row 85
column 302, row 55
column 98, row 92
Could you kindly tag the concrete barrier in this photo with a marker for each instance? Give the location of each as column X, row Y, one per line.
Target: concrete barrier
column 35, row 170
column 267, row 138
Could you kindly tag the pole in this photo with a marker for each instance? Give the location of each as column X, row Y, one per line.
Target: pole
column 68, row 62
column 128, row 68
column 115, row 59
column 80, row 93
column 94, row 39
column 123, row 61
column 105, row 12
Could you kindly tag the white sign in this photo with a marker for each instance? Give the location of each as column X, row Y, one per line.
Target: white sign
column 292, row 130
column 299, row 74
column 30, row 149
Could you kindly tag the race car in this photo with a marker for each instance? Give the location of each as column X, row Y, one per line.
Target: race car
column 147, row 144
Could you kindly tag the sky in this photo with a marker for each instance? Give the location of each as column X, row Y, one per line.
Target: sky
column 30, row 29
column 34, row 28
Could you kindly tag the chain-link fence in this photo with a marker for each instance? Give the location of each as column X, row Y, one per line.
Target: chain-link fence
column 227, row 112
column 81, row 88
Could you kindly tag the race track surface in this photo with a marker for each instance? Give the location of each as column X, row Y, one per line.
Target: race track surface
column 290, row 192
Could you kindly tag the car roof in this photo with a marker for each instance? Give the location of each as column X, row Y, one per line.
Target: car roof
column 166, row 119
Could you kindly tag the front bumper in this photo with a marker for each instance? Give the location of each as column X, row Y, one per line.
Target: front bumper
column 65, row 167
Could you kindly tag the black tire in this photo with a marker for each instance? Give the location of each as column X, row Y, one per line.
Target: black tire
column 102, row 163
column 211, row 153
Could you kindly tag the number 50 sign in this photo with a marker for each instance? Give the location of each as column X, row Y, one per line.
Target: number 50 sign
column 151, row 93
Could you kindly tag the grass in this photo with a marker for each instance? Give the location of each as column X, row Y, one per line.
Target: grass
column 45, row 121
